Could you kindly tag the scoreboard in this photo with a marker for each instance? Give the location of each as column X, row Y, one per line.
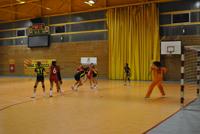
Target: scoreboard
column 38, row 29
column 38, row 35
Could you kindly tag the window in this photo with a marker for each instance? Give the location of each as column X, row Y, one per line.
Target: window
column 20, row 33
column 60, row 29
column 180, row 18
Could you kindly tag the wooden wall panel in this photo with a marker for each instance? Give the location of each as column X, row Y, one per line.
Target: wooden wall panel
column 67, row 54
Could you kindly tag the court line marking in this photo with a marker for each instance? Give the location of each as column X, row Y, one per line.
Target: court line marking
column 31, row 100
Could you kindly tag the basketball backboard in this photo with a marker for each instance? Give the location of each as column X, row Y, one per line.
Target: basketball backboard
column 170, row 47
column 88, row 60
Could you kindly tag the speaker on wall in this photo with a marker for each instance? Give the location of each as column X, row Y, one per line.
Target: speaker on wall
column 37, row 20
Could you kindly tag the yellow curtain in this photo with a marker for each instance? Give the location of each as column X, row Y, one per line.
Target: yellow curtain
column 133, row 36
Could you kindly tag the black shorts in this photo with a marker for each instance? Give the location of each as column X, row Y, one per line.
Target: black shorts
column 79, row 75
column 94, row 74
column 59, row 76
column 128, row 74
column 40, row 79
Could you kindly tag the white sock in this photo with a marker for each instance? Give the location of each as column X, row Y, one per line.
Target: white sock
column 51, row 92
column 34, row 95
column 61, row 91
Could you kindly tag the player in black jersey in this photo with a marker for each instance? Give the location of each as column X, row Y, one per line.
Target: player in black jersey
column 39, row 70
column 60, row 81
column 79, row 77
column 127, row 71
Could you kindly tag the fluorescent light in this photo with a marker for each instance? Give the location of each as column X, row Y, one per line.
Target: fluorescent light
column 20, row 1
column 197, row 4
column 90, row 2
column 47, row 8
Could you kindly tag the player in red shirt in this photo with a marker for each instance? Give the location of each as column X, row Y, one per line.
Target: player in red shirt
column 91, row 75
column 54, row 77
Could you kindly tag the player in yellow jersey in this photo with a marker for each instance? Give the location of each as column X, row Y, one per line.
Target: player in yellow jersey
column 39, row 70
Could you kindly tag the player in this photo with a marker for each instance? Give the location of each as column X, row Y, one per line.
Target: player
column 39, row 70
column 79, row 77
column 158, row 72
column 59, row 80
column 92, row 76
column 127, row 71
column 54, row 77
column 86, row 70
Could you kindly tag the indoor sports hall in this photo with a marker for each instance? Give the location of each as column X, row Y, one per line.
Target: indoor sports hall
column 99, row 66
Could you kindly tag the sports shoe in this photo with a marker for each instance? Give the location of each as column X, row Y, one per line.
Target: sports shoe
column 34, row 95
column 95, row 86
column 44, row 94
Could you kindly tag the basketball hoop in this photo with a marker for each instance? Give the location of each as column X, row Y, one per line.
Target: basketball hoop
column 170, row 48
column 170, row 53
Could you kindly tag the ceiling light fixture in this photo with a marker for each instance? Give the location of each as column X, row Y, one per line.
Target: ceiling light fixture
column 90, row 2
column 47, row 8
column 20, row 1
column 197, row 4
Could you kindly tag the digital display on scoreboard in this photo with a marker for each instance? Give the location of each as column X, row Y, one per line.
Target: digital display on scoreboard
column 38, row 41
column 38, row 29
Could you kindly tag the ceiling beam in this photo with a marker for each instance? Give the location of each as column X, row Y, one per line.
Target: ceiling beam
column 14, row 9
column 111, row 7
column 41, row 11
column 134, row 4
column 70, row 6
column 106, row 3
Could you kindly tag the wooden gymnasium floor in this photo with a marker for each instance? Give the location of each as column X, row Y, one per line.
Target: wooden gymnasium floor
column 112, row 109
